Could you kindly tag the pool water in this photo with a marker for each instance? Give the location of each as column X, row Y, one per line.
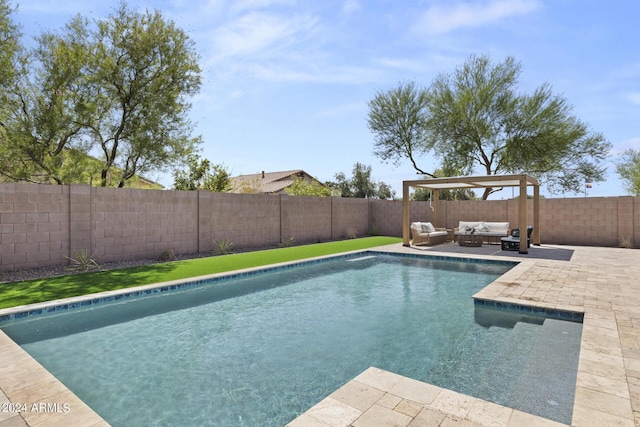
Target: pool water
column 260, row 350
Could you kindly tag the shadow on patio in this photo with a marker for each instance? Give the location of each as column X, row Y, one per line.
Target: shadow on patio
column 541, row 252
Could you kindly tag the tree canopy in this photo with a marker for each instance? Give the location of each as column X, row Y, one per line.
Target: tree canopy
column 202, row 175
column 300, row 187
column 474, row 121
column 118, row 89
column 628, row 167
column 361, row 185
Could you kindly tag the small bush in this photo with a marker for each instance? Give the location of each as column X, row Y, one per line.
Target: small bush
column 625, row 242
column 287, row 243
column 351, row 233
column 373, row 231
column 167, row 256
column 81, row 260
column 222, row 247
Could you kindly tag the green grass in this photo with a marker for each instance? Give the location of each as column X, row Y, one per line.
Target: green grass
column 33, row 291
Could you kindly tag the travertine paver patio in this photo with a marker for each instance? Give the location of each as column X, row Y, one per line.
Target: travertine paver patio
column 604, row 283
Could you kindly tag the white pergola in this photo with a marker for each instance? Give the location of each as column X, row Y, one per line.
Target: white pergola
column 489, row 181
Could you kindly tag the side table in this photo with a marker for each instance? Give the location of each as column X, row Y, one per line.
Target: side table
column 470, row 240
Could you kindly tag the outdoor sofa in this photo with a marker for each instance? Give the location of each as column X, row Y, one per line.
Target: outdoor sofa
column 424, row 233
column 486, row 229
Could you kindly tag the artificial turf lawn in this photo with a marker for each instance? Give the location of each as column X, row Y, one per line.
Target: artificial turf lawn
column 33, row 291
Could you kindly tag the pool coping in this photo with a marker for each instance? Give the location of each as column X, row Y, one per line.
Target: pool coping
column 607, row 375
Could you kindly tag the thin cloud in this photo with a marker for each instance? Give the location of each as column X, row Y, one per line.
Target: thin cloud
column 345, row 110
column 239, row 6
column 634, row 97
column 256, row 32
column 350, row 6
column 323, row 73
column 438, row 20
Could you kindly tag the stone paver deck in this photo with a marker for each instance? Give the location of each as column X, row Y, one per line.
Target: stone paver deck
column 604, row 283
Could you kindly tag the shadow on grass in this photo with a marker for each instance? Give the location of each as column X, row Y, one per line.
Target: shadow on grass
column 33, row 291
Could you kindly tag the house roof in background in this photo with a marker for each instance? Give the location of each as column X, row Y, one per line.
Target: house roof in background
column 268, row 182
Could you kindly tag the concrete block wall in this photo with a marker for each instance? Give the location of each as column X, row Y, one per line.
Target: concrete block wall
column 41, row 225
column 349, row 215
column 34, row 225
column 386, row 217
column 306, row 219
column 580, row 221
column 133, row 224
column 246, row 220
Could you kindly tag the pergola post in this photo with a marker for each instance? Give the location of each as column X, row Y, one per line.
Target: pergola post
column 536, row 215
column 522, row 216
column 436, row 202
column 405, row 214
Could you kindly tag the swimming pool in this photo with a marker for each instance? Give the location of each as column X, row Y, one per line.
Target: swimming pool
column 260, row 350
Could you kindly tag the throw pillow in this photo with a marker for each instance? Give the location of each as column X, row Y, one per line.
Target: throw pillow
column 430, row 227
column 482, row 228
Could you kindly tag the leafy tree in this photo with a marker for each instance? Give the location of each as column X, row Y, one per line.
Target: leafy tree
column 44, row 137
column 202, row 175
column 10, row 53
column 341, row 184
column 141, row 71
column 628, row 167
column 361, row 185
column 397, row 118
column 474, row 119
column 300, row 187
column 384, row 191
column 11, row 70
column 119, row 87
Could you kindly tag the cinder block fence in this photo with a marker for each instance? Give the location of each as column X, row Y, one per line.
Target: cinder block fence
column 41, row 225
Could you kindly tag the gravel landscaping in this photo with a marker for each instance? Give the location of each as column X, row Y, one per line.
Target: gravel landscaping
column 64, row 270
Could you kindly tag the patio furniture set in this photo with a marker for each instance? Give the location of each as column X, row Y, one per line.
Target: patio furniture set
column 472, row 234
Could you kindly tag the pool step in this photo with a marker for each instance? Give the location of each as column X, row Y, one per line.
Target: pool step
column 502, row 372
column 546, row 385
column 489, row 361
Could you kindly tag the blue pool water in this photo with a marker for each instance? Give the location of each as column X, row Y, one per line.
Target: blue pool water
column 260, row 350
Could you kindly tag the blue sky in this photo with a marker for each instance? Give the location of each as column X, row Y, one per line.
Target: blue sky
column 286, row 83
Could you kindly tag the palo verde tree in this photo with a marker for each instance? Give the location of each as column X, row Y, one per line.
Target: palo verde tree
column 44, row 135
column 141, row 71
column 474, row 121
column 12, row 70
column 10, row 53
column 628, row 167
column 118, row 88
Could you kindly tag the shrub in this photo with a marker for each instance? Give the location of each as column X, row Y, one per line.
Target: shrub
column 625, row 242
column 167, row 255
column 81, row 260
column 222, row 247
column 287, row 243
